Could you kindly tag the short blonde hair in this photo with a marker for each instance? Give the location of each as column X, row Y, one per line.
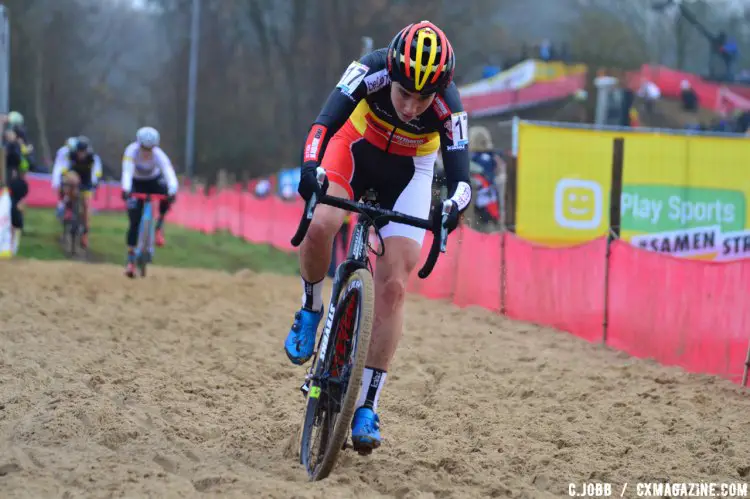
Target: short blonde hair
column 480, row 139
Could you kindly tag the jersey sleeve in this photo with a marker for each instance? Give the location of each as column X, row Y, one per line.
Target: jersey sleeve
column 168, row 170
column 128, row 167
column 96, row 170
column 62, row 163
column 359, row 79
column 454, row 144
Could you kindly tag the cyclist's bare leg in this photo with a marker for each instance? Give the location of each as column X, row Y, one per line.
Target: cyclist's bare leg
column 391, row 277
column 85, row 210
column 314, row 259
column 315, row 250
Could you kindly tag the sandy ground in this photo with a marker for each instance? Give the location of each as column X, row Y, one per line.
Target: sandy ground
column 177, row 386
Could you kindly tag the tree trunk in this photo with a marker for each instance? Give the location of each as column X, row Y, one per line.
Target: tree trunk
column 41, row 119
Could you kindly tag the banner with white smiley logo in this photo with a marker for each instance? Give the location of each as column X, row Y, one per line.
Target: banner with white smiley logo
column 684, row 195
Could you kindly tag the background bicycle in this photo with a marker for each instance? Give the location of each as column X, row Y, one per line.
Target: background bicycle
column 144, row 250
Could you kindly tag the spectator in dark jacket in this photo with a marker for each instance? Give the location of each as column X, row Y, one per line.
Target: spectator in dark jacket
column 688, row 96
column 13, row 153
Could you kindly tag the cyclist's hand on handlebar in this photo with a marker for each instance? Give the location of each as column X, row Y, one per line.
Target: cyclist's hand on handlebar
column 453, row 215
column 308, row 182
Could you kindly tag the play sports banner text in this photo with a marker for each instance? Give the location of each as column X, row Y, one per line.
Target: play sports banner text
column 683, row 195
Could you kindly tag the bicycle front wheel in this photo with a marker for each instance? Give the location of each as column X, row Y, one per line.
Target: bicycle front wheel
column 144, row 244
column 337, row 375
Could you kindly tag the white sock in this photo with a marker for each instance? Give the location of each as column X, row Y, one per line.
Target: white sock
column 372, row 384
column 312, row 295
column 16, row 241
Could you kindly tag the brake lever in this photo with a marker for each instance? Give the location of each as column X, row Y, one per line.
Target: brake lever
column 307, row 215
column 320, row 174
column 447, row 207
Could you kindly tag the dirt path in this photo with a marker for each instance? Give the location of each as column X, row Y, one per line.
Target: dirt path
column 177, row 386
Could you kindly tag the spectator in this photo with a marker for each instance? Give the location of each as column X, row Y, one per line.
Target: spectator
column 545, row 50
column 688, row 96
column 18, row 190
column 625, row 116
column 723, row 125
column 634, row 118
column 13, row 153
column 263, row 188
column 16, row 123
column 487, row 167
column 489, row 71
column 743, row 122
column 650, row 93
column 727, row 49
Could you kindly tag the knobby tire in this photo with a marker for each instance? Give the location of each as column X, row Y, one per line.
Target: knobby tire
column 337, row 438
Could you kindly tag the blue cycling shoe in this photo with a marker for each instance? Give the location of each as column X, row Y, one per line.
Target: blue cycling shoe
column 365, row 430
column 300, row 342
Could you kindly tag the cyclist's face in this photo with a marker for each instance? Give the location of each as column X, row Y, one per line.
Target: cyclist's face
column 80, row 155
column 147, row 153
column 409, row 105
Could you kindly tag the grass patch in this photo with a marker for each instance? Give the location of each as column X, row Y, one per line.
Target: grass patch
column 184, row 248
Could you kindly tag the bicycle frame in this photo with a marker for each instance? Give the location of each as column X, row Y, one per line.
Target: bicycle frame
column 146, row 227
column 324, row 378
column 72, row 226
column 356, row 258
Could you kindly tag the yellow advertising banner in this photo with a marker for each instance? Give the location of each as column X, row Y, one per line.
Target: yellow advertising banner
column 684, row 195
column 549, row 71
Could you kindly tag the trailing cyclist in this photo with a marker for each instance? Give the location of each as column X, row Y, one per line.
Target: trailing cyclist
column 146, row 169
column 381, row 128
column 61, row 160
column 78, row 174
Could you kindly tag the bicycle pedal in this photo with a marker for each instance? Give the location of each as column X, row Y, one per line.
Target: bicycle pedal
column 305, row 389
column 363, row 451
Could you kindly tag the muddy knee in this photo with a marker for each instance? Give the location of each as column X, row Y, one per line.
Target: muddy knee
column 392, row 292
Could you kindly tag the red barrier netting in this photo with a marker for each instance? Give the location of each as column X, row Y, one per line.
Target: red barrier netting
column 286, row 216
column 40, row 193
column 257, row 218
column 478, row 275
column 558, row 287
column 441, row 282
column 694, row 314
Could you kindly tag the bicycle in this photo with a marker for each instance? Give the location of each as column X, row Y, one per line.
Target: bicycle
column 72, row 226
column 144, row 251
column 332, row 381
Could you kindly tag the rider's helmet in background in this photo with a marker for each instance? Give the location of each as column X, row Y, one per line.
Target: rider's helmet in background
column 15, row 118
column 83, row 144
column 147, row 137
column 421, row 58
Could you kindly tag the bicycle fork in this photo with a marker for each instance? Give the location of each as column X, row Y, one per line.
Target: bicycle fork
column 357, row 258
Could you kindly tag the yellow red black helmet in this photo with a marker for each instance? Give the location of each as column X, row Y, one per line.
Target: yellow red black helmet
column 421, row 58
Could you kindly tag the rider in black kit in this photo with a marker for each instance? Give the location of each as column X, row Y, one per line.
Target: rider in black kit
column 382, row 128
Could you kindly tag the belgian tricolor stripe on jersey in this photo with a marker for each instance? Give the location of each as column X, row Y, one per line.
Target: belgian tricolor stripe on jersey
column 381, row 134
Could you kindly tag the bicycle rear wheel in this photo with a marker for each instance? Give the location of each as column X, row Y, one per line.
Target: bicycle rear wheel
column 337, row 375
column 73, row 227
